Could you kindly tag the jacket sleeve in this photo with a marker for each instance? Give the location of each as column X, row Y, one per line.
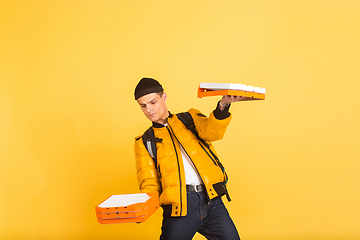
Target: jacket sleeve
column 147, row 174
column 209, row 128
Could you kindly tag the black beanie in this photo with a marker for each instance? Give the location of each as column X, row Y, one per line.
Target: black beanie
column 146, row 86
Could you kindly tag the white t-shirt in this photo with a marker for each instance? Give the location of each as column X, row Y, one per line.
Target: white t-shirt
column 191, row 175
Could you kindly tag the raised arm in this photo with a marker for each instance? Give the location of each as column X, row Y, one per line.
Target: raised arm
column 214, row 127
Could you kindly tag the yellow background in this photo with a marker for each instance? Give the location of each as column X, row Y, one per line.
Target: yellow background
column 68, row 118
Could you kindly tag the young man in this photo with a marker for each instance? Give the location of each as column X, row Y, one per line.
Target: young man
column 187, row 175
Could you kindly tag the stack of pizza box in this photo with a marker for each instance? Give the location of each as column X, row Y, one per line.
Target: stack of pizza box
column 127, row 208
column 235, row 89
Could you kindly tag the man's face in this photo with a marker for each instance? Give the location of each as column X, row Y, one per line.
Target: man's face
column 154, row 107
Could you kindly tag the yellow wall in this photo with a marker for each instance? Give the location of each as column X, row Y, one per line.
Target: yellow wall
column 68, row 118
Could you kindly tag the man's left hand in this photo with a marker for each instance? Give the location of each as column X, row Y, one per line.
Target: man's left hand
column 227, row 99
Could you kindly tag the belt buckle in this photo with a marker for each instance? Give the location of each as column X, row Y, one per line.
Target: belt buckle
column 197, row 188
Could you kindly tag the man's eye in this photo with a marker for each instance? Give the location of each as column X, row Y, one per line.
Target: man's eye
column 153, row 102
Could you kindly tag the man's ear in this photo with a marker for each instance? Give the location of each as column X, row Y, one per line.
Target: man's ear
column 164, row 96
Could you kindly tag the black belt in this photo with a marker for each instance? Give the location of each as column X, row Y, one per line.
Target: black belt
column 195, row 188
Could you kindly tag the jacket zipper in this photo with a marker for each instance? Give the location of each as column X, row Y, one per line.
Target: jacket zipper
column 208, row 154
column 192, row 161
column 177, row 158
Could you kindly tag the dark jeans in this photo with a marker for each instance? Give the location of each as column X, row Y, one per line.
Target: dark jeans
column 209, row 219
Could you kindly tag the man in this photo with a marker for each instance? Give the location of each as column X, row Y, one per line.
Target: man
column 187, row 175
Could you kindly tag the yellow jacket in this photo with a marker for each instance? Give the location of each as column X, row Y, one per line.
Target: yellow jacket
column 168, row 177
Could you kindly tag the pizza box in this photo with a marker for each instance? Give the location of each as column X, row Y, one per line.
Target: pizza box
column 234, row 89
column 127, row 208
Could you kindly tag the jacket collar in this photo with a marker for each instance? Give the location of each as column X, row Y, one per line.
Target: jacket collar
column 159, row 125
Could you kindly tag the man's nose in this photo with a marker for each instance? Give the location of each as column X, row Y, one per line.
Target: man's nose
column 148, row 108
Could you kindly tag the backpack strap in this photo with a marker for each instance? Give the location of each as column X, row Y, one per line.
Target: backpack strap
column 149, row 141
column 187, row 120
